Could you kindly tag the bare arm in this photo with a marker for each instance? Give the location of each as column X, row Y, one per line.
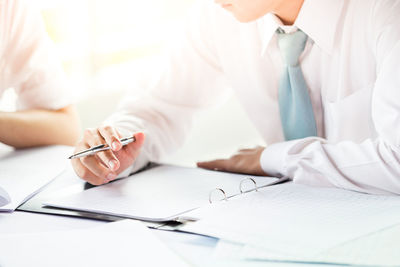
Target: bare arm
column 39, row 127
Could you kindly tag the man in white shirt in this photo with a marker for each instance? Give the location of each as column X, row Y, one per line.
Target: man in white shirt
column 29, row 64
column 326, row 101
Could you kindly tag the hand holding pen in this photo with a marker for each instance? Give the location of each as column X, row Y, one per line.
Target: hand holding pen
column 102, row 154
column 96, row 149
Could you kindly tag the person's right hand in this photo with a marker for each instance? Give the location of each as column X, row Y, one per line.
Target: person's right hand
column 105, row 166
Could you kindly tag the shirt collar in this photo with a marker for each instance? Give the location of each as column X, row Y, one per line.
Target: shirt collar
column 317, row 18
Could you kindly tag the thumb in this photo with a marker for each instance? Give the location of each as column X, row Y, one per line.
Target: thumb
column 134, row 147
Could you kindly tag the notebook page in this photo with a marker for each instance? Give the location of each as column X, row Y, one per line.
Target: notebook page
column 377, row 249
column 157, row 194
column 4, row 197
column 24, row 172
column 296, row 219
column 123, row 243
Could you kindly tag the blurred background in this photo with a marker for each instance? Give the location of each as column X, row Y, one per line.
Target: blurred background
column 103, row 45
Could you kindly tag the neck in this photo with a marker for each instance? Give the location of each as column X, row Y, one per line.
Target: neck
column 288, row 11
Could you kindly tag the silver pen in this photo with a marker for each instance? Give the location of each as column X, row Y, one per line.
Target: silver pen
column 99, row 148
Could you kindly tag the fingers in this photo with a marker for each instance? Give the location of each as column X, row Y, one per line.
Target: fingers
column 111, row 137
column 96, row 169
column 247, row 161
column 105, row 166
column 215, row 165
column 94, row 138
column 95, row 173
column 83, row 172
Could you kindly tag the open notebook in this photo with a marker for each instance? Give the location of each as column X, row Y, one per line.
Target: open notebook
column 292, row 221
column 25, row 172
column 159, row 194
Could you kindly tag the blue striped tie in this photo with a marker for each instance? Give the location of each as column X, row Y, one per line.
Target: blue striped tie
column 295, row 106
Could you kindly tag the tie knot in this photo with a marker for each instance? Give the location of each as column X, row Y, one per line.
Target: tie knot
column 291, row 46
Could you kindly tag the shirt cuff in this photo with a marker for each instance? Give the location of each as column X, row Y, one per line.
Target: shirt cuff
column 273, row 158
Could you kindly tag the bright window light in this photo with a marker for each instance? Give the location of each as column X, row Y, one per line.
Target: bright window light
column 102, row 42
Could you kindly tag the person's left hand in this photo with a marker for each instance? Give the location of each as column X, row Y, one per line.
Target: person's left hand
column 246, row 161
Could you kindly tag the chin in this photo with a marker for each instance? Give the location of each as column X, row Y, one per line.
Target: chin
column 244, row 19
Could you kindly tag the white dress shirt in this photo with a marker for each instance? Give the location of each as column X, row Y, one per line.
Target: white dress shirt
column 28, row 60
column 351, row 65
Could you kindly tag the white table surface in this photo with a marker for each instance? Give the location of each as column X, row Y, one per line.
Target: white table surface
column 196, row 249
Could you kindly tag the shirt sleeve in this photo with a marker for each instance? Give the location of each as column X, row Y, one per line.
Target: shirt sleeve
column 31, row 64
column 372, row 166
column 191, row 80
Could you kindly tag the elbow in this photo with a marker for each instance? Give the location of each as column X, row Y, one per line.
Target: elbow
column 71, row 126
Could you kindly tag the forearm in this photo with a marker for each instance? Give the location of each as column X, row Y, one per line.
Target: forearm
column 39, row 127
column 371, row 167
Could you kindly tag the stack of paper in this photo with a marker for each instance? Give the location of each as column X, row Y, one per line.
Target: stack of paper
column 124, row 243
column 378, row 249
column 159, row 194
column 295, row 220
column 24, row 172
